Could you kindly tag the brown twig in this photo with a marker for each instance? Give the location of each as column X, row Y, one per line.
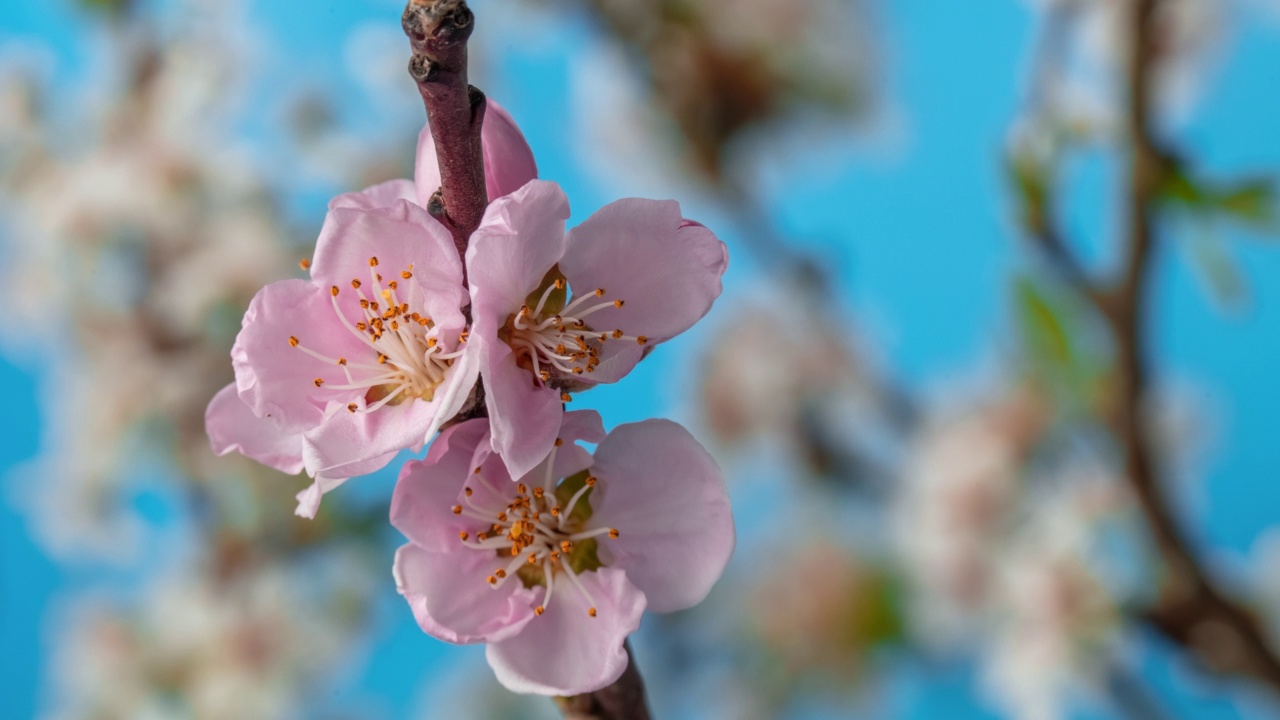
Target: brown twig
column 623, row 700
column 1056, row 251
column 1191, row 610
column 438, row 30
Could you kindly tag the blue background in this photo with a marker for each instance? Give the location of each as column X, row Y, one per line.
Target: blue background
column 928, row 246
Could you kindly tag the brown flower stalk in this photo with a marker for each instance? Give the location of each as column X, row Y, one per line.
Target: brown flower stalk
column 439, row 30
column 623, row 700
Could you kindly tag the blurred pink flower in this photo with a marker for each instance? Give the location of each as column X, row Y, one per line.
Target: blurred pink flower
column 639, row 274
column 554, row 571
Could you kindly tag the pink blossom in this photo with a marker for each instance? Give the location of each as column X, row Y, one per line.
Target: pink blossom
column 508, row 161
column 366, row 358
column 553, row 572
column 555, row 313
column 338, row 373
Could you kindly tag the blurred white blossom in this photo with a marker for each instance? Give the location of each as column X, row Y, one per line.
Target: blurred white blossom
column 199, row 645
column 132, row 235
column 1054, row 604
column 960, row 489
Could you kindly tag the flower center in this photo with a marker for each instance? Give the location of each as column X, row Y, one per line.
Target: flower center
column 553, row 340
column 407, row 359
column 542, row 534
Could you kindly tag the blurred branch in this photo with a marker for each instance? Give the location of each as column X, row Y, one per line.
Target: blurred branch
column 1132, row 697
column 1068, row 266
column 438, row 30
column 1191, row 610
column 623, row 700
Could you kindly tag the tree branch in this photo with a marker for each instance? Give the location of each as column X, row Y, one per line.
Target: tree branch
column 1068, row 266
column 623, row 700
column 1191, row 611
column 438, row 30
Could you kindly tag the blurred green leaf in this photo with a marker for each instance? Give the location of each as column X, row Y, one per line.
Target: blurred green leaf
column 1180, row 189
column 1218, row 269
column 1042, row 325
column 880, row 620
column 1250, row 201
column 113, row 7
column 1031, row 183
column 565, row 491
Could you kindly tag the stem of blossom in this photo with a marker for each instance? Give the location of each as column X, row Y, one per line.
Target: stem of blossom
column 623, row 700
column 438, row 30
column 1131, row 696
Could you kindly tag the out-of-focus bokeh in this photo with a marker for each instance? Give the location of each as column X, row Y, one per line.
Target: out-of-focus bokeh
column 912, row 400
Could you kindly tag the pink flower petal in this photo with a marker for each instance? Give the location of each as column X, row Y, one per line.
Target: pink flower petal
column 451, row 599
column 277, row 381
column 346, row 439
column 399, row 236
column 378, row 196
column 520, row 238
column 584, row 425
column 642, row 252
column 309, row 498
column 666, row 496
column 617, row 359
column 232, row 427
column 570, row 457
column 508, row 161
column 524, row 417
column 428, row 488
column 565, row 651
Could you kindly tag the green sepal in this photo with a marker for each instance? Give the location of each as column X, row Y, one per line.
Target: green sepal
column 582, row 509
column 556, row 301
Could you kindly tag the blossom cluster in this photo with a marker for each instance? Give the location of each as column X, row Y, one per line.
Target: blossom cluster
column 519, row 537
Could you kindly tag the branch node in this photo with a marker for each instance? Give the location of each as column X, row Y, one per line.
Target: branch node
column 438, row 31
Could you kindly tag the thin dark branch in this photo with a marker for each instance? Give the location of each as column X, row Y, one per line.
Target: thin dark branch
column 1132, row 697
column 1191, row 611
column 1047, row 67
column 438, row 30
column 1064, row 261
column 623, row 700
